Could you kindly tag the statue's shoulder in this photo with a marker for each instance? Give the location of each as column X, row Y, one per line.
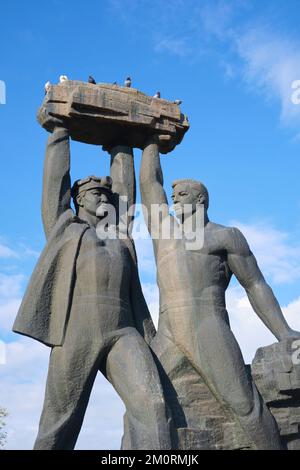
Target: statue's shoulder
column 230, row 238
column 216, row 227
column 67, row 223
column 237, row 243
column 218, row 231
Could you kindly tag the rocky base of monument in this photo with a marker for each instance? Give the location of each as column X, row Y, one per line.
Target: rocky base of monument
column 202, row 423
column 276, row 371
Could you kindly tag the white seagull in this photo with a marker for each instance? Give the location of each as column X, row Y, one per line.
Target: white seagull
column 127, row 82
column 63, row 78
column 47, row 87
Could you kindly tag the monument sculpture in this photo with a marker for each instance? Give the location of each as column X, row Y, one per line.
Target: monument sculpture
column 85, row 299
column 186, row 386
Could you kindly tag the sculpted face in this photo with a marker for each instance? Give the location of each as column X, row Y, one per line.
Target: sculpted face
column 96, row 201
column 183, row 194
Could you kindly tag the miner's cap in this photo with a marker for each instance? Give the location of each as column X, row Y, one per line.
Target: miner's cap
column 91, row 182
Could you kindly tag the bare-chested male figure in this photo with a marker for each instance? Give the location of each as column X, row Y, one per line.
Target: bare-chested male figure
column 192, row 284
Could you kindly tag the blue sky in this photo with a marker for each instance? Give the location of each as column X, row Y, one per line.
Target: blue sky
column 232, row 63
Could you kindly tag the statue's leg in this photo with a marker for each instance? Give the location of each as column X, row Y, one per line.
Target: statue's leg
column 131, row 370
column 169, row 360
column 72, row 371
column 215, row 353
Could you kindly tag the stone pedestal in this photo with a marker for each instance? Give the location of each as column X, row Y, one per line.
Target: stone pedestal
column 276, row 371
column 201, row 422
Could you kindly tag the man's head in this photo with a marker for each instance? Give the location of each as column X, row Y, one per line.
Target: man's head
column 93, row 194
column 189, row 191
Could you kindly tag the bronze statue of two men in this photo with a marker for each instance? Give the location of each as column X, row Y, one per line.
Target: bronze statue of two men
column 85, row 300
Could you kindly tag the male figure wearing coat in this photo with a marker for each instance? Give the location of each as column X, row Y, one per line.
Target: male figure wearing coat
column 84, row 300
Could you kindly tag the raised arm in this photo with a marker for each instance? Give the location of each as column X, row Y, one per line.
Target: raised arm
column 122, row 172
column 56, row 182
column 123, row 176
column 151, row 185
column 244, row 266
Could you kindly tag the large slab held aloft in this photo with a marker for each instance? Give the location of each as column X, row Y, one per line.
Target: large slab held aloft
column 109, row 115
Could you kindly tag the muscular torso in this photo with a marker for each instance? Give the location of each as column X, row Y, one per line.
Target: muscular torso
column 103, row 269
column 187, row 277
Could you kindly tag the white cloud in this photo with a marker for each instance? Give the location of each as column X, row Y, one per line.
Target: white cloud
column 6, row 252
column 151, row 294
column 28, row 251
column 10, row 285
column 271, row 64
column 103, row 423
column 20, row 251
column 22, row 386
column 8, row 312
column 173, row 45
column 277, row 255
column 25, row 360
column 23, row 402
column 217, row 18
column 10, row 298
column 268, row 61
column 249, row 330
column 292, row 314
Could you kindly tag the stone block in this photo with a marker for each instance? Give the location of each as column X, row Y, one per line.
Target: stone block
column 276, row 374
column 110, row 115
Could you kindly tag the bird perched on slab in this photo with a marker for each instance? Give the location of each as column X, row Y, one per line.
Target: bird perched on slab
column 157, row 95
column 178, row 102
column 127, row 82
column 63, row 78
column 47, row 87
column 115, row 83
column 91, row 80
